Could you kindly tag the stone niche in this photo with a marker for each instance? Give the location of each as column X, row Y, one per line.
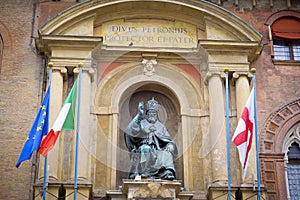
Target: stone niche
column 146, row 189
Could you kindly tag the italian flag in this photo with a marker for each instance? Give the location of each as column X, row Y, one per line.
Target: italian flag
column 64, row 121
column 244, row 132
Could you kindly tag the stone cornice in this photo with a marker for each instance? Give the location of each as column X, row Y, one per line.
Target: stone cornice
column 45, row 43
column 250, row 49
column 70, row 62
column 90, row 8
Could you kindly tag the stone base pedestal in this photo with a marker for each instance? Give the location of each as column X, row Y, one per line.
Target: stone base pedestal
column 62, row 189
column 51, row 194
column 83, row 191
column 147, row 189
column 237, row 192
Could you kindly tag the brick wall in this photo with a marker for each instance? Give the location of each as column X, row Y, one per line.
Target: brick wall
column 20, row 85
column 276, row 84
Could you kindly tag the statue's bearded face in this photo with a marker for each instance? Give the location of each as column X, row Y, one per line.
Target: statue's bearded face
column 152, row 116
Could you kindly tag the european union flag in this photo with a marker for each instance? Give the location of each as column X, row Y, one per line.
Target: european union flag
column 38, row 130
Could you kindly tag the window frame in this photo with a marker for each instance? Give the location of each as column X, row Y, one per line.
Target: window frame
column 287, row 43
column 291, row 137
column 270, row 20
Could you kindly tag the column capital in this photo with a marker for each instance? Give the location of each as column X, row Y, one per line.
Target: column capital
column 62, row 70
column 210, row 74
column 88, row 70
column 236, row 75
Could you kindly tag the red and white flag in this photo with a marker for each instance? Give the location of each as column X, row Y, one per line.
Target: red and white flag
column 244, row 132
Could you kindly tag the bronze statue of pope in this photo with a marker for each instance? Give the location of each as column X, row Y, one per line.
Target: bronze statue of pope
column 152, row 151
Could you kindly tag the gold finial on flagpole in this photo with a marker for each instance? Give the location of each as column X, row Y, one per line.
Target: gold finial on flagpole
column 80, row 64
column 50, row 64
column 253, row 70
column 226, row 69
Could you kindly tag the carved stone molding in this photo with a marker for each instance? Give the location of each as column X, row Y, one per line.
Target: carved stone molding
column 149, row 66
column 277, row 125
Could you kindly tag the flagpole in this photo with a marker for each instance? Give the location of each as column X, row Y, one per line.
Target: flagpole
column 226, row 70
column 253, row 70
column 80, row 65
column 45, row 178
column 45, row 182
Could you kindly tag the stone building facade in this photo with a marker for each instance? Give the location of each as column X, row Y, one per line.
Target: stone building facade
column 131, row 51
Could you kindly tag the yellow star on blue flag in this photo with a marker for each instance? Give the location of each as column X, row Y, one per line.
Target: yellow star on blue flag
column 38, row 130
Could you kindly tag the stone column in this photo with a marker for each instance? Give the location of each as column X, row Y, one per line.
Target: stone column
column 54, row 164
column 242, row 91
column 84, row 157
column 56, row 100
column 84, row 147
column 242, row 94
column 286, row 160
column 217, row 128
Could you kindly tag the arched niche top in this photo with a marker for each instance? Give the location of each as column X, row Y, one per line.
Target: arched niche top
column 84, row 18
column 122, row 82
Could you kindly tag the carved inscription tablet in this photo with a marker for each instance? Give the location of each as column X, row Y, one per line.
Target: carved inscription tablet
column 167, row 34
